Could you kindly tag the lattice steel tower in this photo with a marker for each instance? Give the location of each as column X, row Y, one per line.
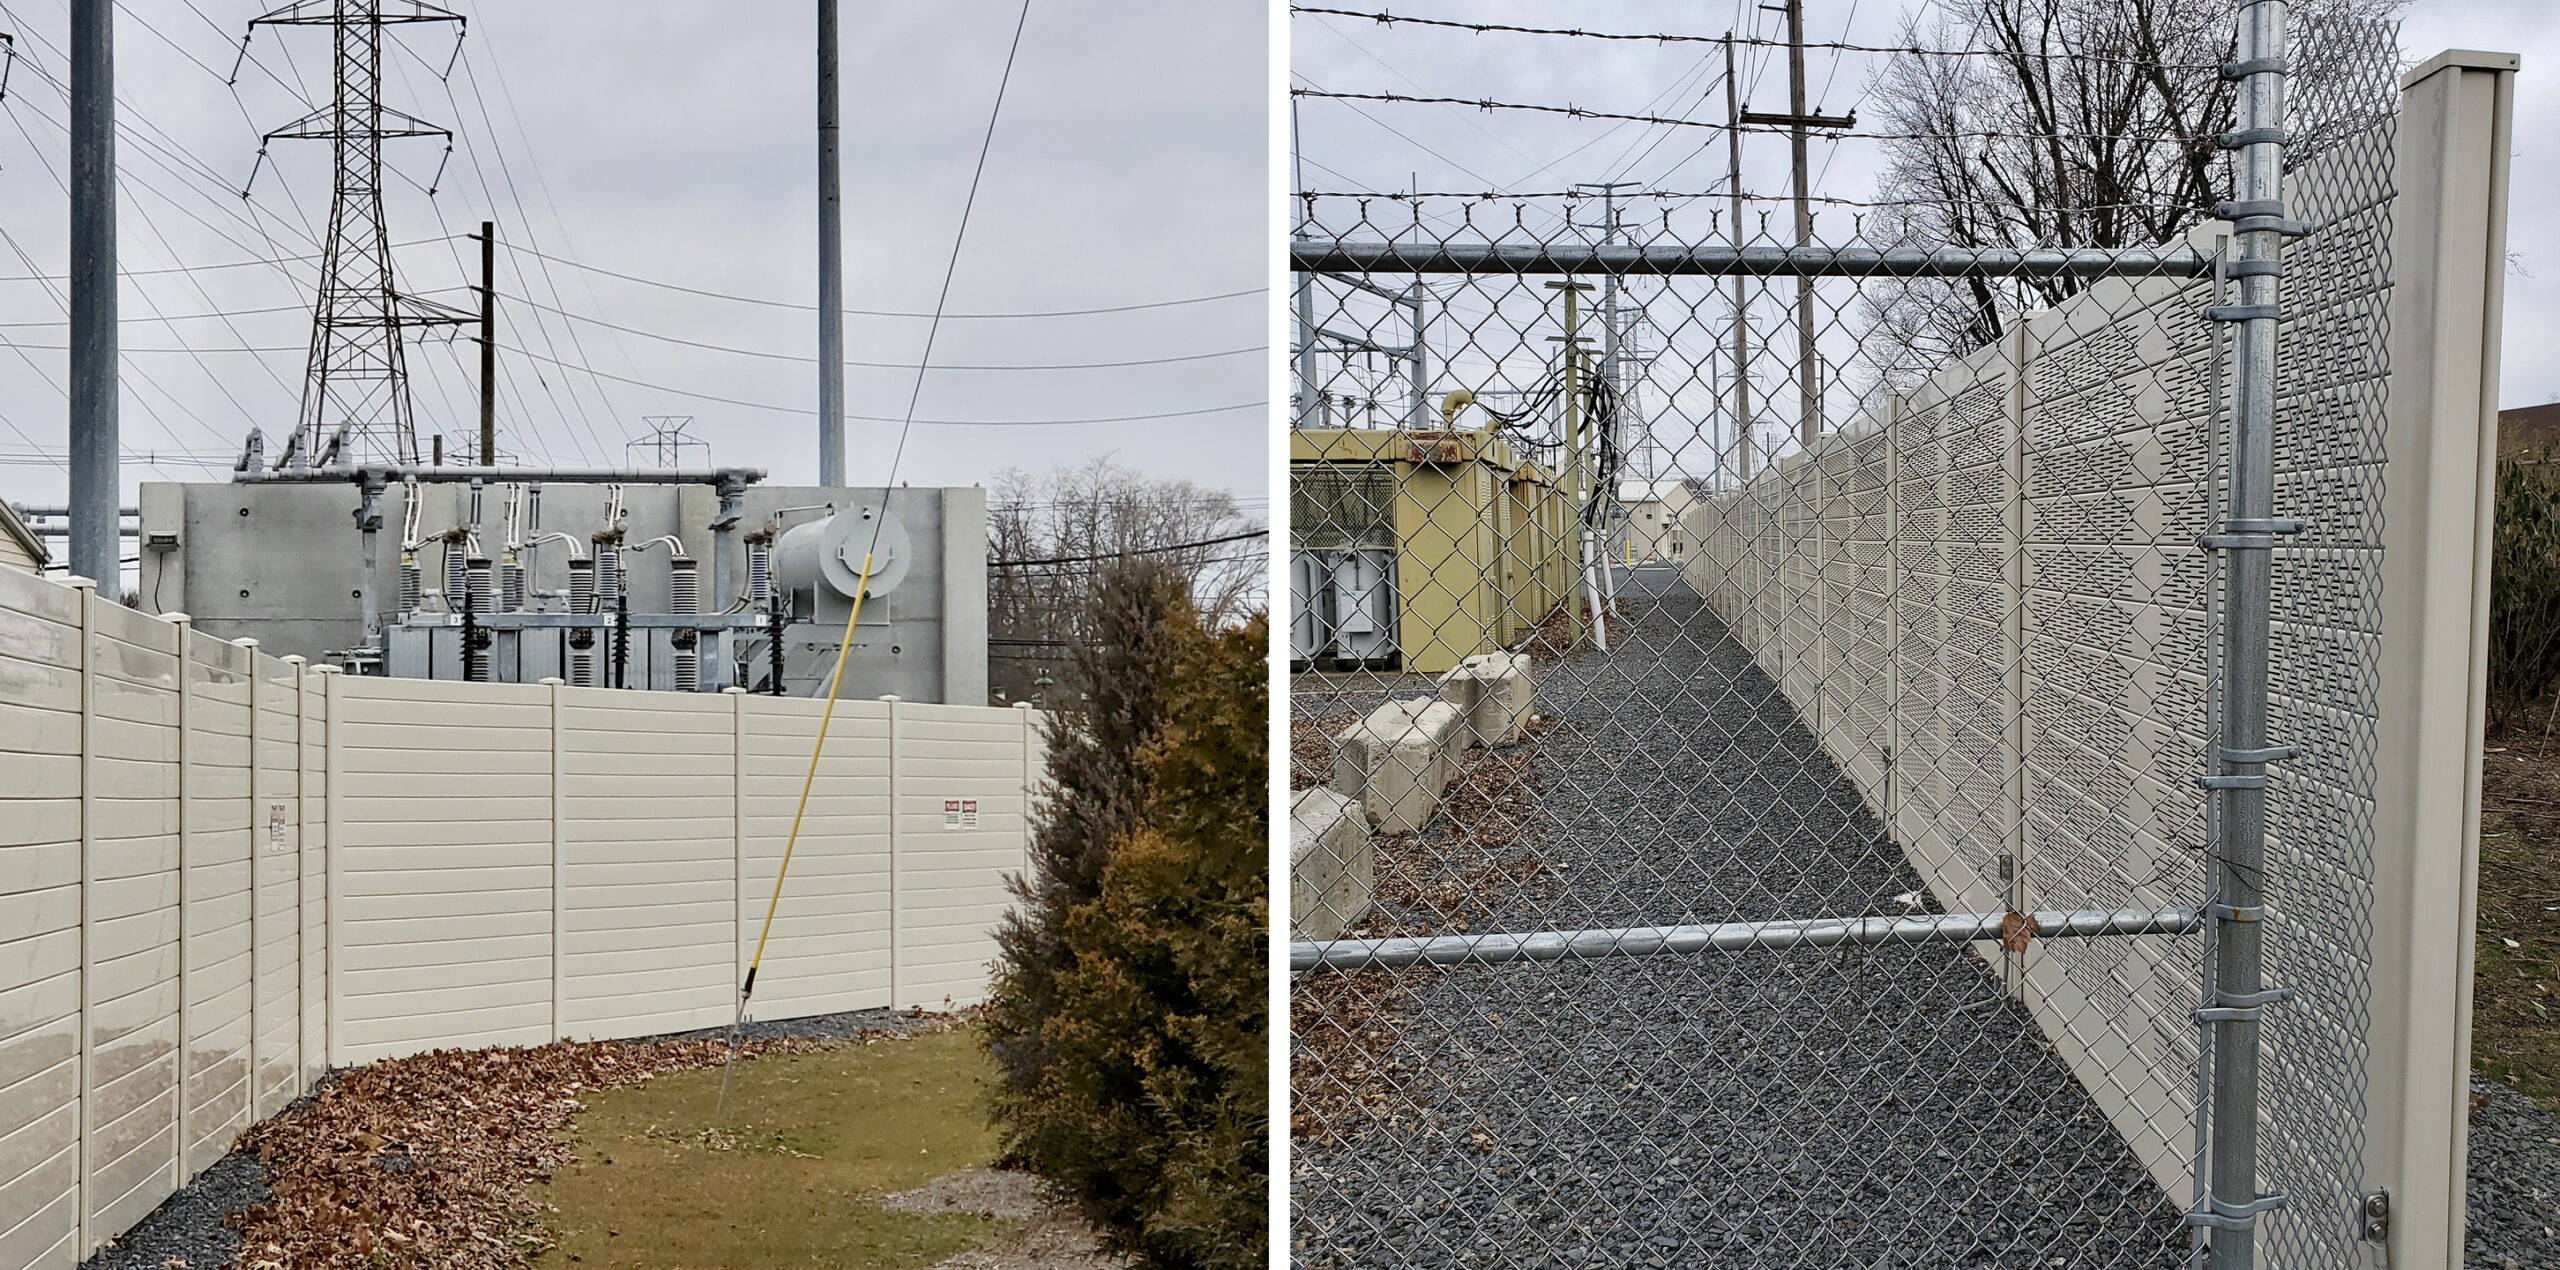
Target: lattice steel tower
column 358, row 375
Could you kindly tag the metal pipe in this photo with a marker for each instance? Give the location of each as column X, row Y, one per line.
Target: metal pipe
column 830, row 262
column 1324, row 255
column 1768, row 936
column 561, row 475
column 2239, row 783
column 369, row 527
column 94, row 476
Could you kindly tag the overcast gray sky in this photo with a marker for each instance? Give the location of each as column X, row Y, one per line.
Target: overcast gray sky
column 1343, row 145
column 676, row 143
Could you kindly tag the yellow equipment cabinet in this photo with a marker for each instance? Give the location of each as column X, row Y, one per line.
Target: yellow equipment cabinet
column 1481, row 536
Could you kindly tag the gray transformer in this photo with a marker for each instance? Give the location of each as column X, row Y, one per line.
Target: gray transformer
column 674, row 583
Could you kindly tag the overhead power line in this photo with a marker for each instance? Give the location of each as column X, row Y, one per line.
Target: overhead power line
column 1490, row 104
column 887, row 313
column 1827, row 134
column 1738, row 41
column 1247, row 536
column 937, row 423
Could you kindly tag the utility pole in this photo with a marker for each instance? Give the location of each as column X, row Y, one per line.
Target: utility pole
column 1742, row 430
column 1797, row 122
column 488, row 343
column 95, row 546
column 830, row 262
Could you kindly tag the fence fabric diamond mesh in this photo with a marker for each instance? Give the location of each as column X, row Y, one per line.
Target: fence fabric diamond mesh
column 1886, row 677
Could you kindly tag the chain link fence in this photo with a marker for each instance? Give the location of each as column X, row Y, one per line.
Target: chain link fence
column 1746, row 771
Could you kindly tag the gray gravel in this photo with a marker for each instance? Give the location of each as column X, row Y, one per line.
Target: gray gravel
column 1866, row 1108
column 188, row 1229
column 2514, row 1184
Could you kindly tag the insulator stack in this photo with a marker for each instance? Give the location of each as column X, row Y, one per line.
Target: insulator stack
column 582, row 661
column 760, row 574
column 511, row 586
column 608, row 575
column 409, row 583
column 483, row 583
column 684, row 598
column 454, row 578
column 684, row 585
column 582, row 586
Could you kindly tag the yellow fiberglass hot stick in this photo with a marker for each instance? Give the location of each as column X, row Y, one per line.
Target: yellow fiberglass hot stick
column 792, row 843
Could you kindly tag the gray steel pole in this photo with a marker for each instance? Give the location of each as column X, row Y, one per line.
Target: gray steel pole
column 95, row 445
column 488, row 344
column 1308, row 383
column 830, row 261
column 2238, row 992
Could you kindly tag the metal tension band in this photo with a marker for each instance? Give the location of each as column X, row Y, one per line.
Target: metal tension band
column 2250, row 534
column 2232, row 782
column 2222, row 1216
column 2241, row 1007
column 2239, row 912
column 2254, row 268
column 2242, row 312
column 2271, row 754
column 2255, row 66
column 2239, row 137
column 2235, row 209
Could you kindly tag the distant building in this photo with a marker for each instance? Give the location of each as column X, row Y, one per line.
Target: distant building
column 1649, row 530
column 19, row 546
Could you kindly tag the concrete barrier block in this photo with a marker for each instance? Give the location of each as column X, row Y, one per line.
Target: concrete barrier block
column 1495, row 690
column 1333, row 864
column 1398, row 760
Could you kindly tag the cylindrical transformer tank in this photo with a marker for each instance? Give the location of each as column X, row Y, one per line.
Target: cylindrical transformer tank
column 409, row 583
column 582, row 586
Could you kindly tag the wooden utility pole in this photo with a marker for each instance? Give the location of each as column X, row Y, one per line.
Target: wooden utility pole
column 1741, row 299
column 1797, row 124
column 488, row 237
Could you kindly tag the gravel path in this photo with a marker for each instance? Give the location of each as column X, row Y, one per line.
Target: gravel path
column 188, row 1229
column 2514, row 1184
column 1866, row 1108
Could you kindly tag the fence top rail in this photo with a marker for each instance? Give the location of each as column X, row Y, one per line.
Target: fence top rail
column 1820, row 932
column 1334, row 255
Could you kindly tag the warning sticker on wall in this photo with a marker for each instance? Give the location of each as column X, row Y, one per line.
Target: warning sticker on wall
column 959, row 813
column 275, row 826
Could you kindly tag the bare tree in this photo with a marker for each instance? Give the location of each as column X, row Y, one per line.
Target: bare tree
column 2075, row 123
column 1051, row 533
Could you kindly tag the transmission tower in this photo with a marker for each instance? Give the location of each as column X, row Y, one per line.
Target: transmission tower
column 358, row 376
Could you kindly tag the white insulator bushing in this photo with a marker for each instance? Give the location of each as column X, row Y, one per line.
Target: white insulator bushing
column 688, row 670
column 409, row 583
column 483, row 582
column 510, row 586
column 582, row 587
column 582, row 667
column 684, row 585
column 454, row 577
column 609, row 575
column 759, row 574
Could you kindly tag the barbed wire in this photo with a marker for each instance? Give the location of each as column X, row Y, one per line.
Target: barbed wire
column 1738, row 41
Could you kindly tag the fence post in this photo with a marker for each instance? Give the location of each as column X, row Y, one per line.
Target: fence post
column 333, row 888
column 2239, row 778
column 895, row 949
column 88, row 882
column 1893, row 616
column 559, row 833
column 301, row 912
column 2014, row 678
column 256, row 867
column 737, row 828
column 181, row 627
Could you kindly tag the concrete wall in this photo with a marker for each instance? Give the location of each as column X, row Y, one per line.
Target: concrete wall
column 283, row 564
column 1989, row 606
column 222, row 873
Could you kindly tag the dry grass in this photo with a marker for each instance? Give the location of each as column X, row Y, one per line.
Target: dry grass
column 2515, row 982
